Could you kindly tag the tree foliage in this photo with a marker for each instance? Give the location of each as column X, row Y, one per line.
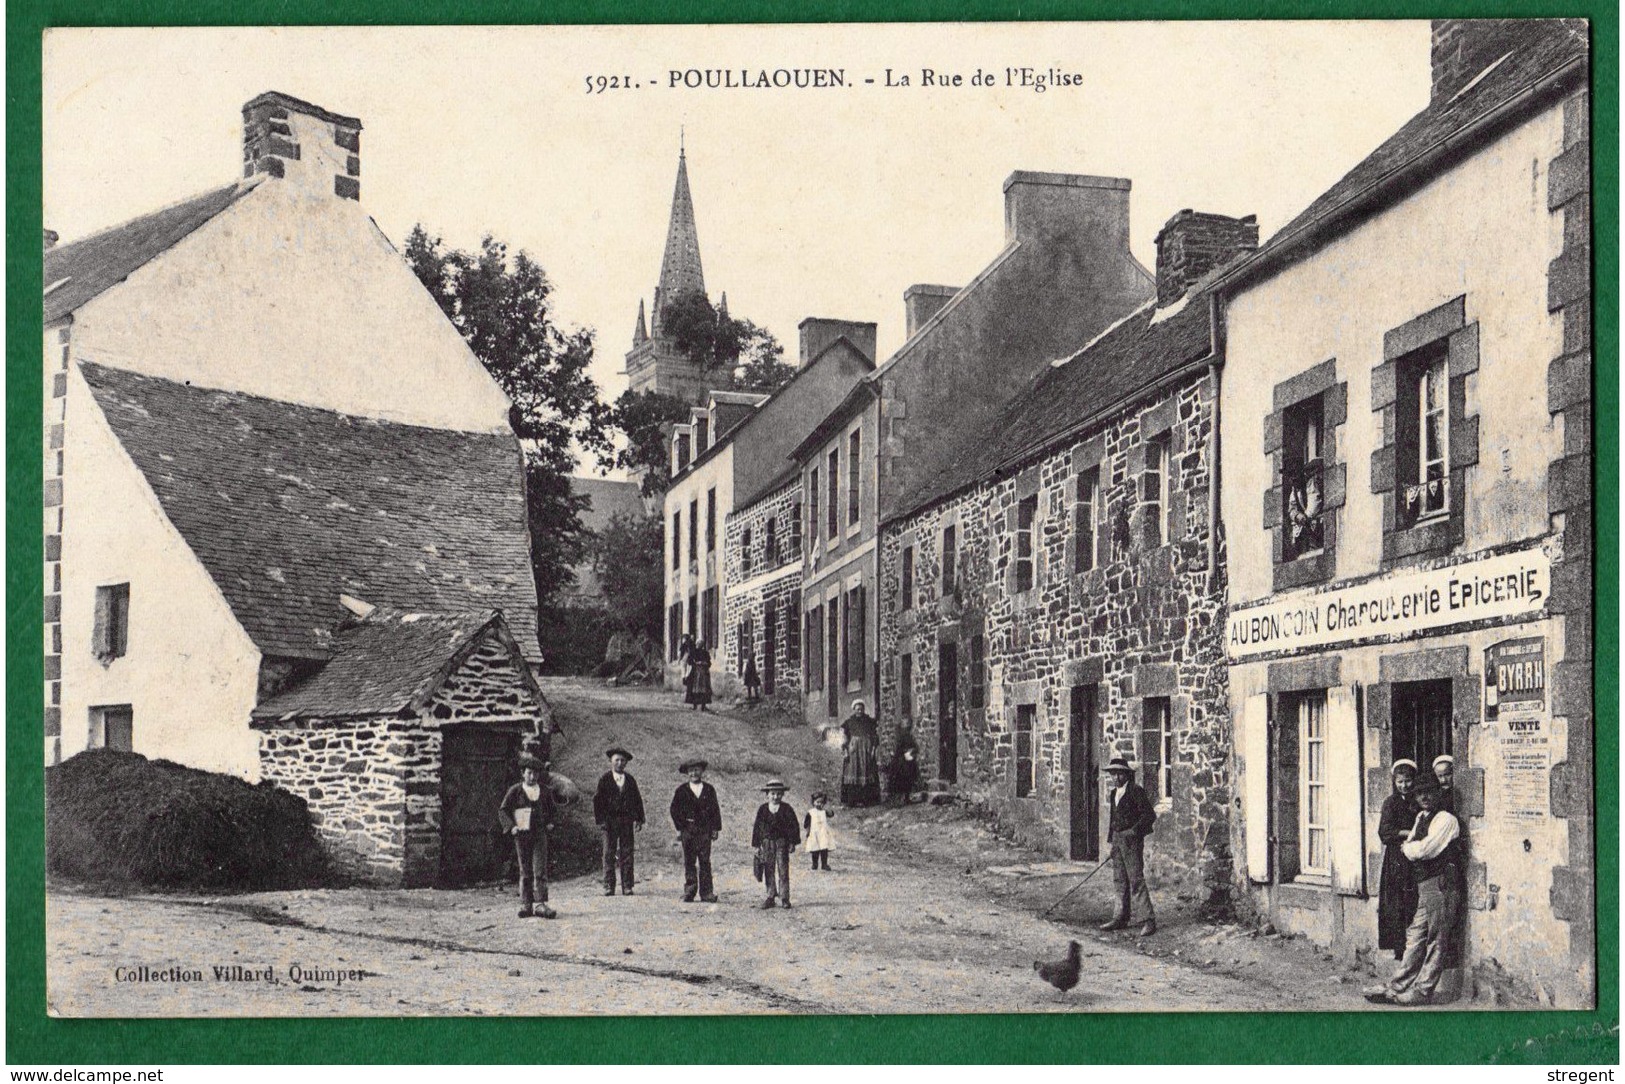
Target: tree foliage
column 645, row 418
column 626, row 555
column 501, row 304
column 713, row 339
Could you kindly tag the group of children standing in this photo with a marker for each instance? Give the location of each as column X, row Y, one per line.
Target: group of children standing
column 528, row 812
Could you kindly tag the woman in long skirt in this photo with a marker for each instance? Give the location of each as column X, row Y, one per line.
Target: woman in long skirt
column 1396, row 898
column 860, row 765
column 699, row 682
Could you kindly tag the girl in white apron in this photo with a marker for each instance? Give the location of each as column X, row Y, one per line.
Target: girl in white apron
column 816, row 826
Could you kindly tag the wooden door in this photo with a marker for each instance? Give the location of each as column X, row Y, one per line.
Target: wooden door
column 1085, row 768
column 948, row 712
column 477, row 767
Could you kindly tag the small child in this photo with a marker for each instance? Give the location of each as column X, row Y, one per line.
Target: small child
column 819, row 836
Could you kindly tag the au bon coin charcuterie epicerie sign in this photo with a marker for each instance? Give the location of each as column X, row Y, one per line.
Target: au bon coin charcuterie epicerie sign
column 1502, row 586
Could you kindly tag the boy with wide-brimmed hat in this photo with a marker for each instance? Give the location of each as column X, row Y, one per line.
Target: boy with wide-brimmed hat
column 527, row 814
column 774, row 835
column 617, row 809
column 1131, row 821
column 697, row 817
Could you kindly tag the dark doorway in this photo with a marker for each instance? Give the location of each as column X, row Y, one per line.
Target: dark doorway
column 948, row 712
column 770, row 647
column 1421, row 720
column 1085, row 765
column 477, row 767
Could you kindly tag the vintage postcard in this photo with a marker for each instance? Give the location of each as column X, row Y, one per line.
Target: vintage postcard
column 1028, row 517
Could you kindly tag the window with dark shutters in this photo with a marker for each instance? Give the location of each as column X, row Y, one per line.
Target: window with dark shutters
column 1026, row 718
column 906, row 600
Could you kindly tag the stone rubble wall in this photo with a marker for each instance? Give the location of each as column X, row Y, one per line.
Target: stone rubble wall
column 1141, row 623
column 745, row 603
column 373, row 787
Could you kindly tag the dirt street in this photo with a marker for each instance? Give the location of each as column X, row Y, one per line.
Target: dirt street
column 897, row 926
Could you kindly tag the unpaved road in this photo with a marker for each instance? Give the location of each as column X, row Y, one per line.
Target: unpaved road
column 883, row 932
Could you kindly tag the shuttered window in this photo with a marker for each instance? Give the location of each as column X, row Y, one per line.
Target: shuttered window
column 950, row 558
column 1345, row 795
column 1314, row 828
column 906, row 600
column 813, row 645
column 854, row 478
column 834, row 491
column 1026, row 513
column 744, row 553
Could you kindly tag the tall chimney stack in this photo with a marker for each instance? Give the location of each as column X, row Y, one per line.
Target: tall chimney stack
column 817, row 332
column 921, row 302
column 1192, row 243
column 286, row 137
column 1064, row 204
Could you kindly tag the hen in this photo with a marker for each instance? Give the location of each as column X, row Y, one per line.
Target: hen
column 1061, row 974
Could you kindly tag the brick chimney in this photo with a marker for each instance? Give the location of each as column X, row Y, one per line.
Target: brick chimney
column 817, row 332
column 1057, row 204
column 286, row 137
column 921, row 302
column 1192, row 243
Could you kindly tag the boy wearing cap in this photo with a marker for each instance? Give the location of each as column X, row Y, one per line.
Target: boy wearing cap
column 526, row 814
column 617, row 808
column 698, row 820
column 774, row 835
column 1435, row 853
column 1131, row 821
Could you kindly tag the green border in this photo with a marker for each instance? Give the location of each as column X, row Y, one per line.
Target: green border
column 33, row 1038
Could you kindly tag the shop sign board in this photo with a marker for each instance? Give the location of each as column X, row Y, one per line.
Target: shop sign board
column 1506, row 585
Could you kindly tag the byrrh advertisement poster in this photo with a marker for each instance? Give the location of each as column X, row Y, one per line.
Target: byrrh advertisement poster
column 817, row 521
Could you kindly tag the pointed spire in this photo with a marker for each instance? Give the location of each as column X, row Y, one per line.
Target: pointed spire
column 641, row 332
column 680, row 271
column 722, row 308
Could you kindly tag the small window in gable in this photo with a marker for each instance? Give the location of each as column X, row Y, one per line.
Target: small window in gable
column 110, row 638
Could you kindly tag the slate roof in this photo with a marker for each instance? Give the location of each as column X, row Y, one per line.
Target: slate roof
column 1545, row 48
column 383, row 665
column 1106, row 375
column 289, row 506
column 87, row 267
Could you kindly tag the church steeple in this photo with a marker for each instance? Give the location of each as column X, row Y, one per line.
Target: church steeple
column 680, row 271
column 640, row 333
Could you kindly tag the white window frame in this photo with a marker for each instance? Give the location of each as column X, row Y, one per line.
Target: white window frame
column 1158, row 454
column 1086, row 514
column 1433, row 402
column 1026, row 537
column 1311, row 723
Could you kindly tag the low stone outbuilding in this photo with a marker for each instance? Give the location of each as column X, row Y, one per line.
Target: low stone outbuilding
column 404, row 743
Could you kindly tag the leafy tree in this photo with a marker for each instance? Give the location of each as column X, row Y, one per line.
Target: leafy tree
column 713, row 339
column 501, row 305
column 626, row 555
column 645, row 418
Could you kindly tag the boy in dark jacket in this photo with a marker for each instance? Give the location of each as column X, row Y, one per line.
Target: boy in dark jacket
column 527, row 814
column 774, row 834
column 1131, row 821
column 617, row 808
column 698, row 820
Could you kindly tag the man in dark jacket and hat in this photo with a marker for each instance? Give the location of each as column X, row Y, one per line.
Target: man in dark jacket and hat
column 1131, row 821
column 698, row 820
column 526, row 814
column 617, row 808
column 774, row 833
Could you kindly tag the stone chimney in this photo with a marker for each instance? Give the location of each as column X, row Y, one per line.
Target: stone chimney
column 1192, row 243
column 286, row 137
column 921, row 302
column 1056, row 204
column 817, row 332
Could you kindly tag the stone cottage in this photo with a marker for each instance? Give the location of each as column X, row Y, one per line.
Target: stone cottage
column 1408, row 500
column 225, row 464
column 1049, row 596
column 404, row 742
